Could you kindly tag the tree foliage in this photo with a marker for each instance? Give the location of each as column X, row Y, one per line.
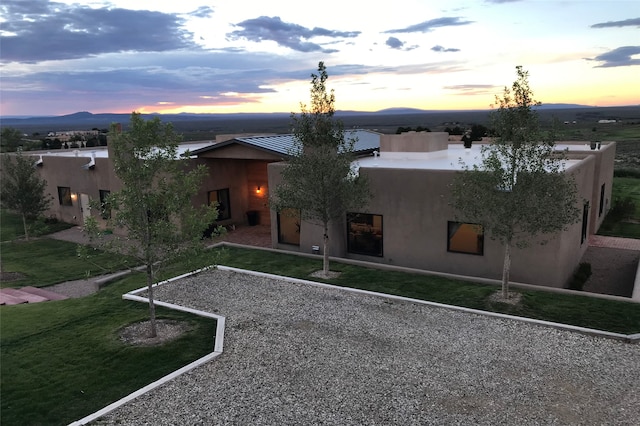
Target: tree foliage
column 520, row 191
column 10, row 139
column 154, row 207
column 23, row 190
column 319, row 180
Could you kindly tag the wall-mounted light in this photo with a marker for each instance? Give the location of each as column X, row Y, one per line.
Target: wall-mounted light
column 258, row 189
column 74, row 196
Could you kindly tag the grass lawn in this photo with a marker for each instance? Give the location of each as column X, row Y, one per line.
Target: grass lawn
column 13, row 229
column 45, row 261
column 62, row 360
column 584, row 311
column 624, row 187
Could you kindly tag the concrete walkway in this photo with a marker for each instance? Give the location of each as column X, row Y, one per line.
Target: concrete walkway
column 614, row 242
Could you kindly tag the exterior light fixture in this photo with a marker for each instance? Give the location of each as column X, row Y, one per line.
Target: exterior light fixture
column 74, row 196
column 258, row 189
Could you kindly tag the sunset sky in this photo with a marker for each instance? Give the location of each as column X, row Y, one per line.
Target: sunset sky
column 219, row 56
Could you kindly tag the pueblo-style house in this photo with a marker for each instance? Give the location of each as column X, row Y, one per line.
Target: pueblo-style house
column 408, row 222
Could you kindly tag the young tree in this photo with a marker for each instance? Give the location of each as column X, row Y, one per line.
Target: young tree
column 520, row 190
column 23, row 190
column 154, row 208
column 319, row 180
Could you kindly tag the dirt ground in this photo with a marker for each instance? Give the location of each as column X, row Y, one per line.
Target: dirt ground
column 613, row 270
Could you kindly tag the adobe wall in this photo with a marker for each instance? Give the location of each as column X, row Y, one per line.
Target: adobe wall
column 415, row 215
column 68, row 172
column 414, row 142
column 242, row 178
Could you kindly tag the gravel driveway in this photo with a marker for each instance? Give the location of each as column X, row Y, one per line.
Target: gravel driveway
column 298, row 354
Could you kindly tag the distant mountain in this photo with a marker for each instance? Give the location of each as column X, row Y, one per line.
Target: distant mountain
column 216, row 122
column 562, row 106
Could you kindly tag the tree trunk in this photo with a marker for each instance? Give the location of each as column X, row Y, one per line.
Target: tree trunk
column 325, row 252
column 26, row 230
column 506, row 267
column 152, row 306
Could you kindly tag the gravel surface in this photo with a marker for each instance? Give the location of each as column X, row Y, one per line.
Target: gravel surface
column 297, row 354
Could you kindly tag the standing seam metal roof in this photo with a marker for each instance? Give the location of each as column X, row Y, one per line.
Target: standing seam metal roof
column 283, row 144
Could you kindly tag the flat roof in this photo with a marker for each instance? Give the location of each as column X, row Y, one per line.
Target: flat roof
column 453, row 158
column 102, row 152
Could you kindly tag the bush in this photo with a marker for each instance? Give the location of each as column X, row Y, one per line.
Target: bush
column 580, row 276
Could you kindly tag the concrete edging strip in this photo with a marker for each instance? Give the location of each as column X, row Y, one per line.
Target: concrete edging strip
column 219, row 339
column 590, row 331
column 217, row 350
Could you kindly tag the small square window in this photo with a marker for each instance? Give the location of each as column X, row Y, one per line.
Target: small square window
column 465, row 238
column 364, row 234
column 64, row 196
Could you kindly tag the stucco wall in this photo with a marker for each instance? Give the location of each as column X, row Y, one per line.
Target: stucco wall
column 68, row 172
column 242, row 177
column 414, row 142
column 415, row 211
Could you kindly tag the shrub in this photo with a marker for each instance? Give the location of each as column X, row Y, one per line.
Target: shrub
column 580, row 276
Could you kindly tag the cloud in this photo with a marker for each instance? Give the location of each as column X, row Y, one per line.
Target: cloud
column 619, row 57
column 501, row 1
column 472, row 89
column 292, row 36
column 202, row 12
column 633, row 22
column 394, row 43
column 439, row 48
column 35, row 31
column 427, row 26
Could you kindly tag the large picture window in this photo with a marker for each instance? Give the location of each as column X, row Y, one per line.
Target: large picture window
column 289, row 226
column 221, row 197
column 465, row 238
column 364, row 234
column 64, row 196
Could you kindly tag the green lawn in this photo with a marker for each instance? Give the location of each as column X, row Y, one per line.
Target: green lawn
column 584, row 311
column 62, row 360
column 624, row 187
column 45, row 261
column 12, row 227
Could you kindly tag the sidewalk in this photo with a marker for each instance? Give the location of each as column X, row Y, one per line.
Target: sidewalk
column 614, row 242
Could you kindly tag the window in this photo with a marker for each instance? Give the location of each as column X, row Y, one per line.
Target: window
column 585, row 222
column 105, row 207
column 289, row 226
column 64, row 196
column 364, row 234
column 601, row 210
column 465, row 238
column 221, row 197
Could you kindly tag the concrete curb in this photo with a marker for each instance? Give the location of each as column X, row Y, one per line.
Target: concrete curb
column 217, row 350
column 385, row 267
column 221, row 323
column 629, row 338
